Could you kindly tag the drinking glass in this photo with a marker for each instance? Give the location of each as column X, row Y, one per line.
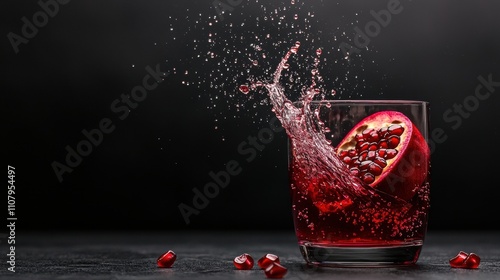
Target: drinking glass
column 359, row 182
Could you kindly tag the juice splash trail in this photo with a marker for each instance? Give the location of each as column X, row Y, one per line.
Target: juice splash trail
column 309, row 144
column 326, row 195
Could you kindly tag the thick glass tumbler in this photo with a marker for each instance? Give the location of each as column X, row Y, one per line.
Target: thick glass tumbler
column 359, row 182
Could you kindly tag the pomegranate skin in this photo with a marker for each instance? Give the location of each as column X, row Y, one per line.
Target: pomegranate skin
column 404, row 173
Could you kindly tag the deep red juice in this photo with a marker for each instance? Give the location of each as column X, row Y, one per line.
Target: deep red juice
column 340, row 200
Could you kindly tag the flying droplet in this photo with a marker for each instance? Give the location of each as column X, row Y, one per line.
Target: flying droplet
column 244, row 89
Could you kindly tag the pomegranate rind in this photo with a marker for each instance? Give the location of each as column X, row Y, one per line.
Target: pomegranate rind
column 408, row 170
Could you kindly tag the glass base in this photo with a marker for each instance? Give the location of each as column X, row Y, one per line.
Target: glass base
column 387, row 256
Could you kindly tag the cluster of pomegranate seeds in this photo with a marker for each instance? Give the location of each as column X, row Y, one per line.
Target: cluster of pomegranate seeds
column 464, row 260
column 167, row 259
column 272, row 267
column 243, row 262
column 373, row 149
column 270, row 263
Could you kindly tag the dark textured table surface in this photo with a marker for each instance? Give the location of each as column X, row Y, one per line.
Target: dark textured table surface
column 209, row 255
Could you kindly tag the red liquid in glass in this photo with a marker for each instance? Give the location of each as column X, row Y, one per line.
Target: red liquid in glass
column 331, row 206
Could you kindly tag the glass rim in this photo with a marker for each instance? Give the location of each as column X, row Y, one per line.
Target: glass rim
column 367, row 102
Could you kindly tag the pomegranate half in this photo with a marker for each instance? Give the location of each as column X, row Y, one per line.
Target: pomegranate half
column 387, row 152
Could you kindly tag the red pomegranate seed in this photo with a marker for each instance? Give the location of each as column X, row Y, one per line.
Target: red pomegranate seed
column 380, row 162
column 382, row 152
column 365, row 165
column 268, row 259
column 458, row 260
column 347, row 160
column 275, row 270
column 472, row 261
column 363, row 155
column 383, row 144
column 352, row 152
column 373, row 147
column 167, row 259
column 371, row 155
column 374, row 136
column 393, row 141
column 390, row 153
column 382, row 132
column 364, row 146
column 368, row 178
column 367, row 132
column 375, row 169
column 395, row 129
column 243, row 262
column 343, row 154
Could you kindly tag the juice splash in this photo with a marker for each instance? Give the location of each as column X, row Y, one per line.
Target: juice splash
column 332, row 206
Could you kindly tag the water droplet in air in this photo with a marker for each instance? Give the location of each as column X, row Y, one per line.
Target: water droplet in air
column 244, row 89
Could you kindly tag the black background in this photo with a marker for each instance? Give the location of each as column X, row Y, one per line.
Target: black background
column 65, row 78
